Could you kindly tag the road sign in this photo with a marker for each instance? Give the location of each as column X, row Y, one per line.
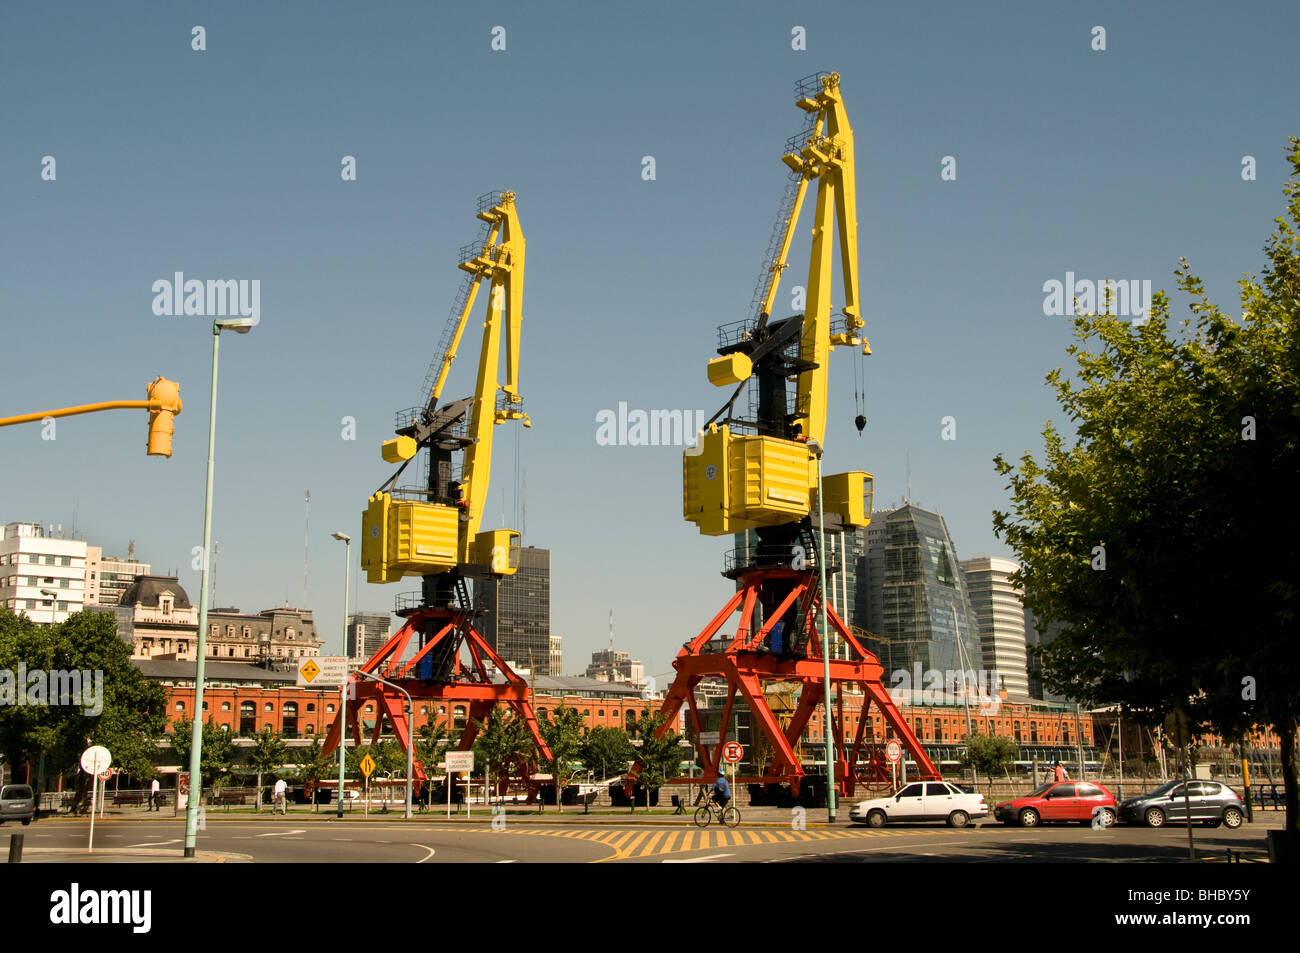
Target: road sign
column 732, row 752
column 96, row 759
column 894, row 752
column 323, row 671
column 367, row 766
column 460, row 761
column 709, row 737
column 104, row 775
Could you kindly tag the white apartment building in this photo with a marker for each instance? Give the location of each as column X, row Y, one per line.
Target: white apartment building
column 42, row 574
column 107, row 577
column 1000, row 614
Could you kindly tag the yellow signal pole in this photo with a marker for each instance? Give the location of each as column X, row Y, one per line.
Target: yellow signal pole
column 163, row 404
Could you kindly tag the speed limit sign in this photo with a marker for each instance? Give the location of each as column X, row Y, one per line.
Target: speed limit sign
column 893, row 751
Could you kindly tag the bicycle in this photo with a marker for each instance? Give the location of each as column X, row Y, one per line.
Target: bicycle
column 710, row 811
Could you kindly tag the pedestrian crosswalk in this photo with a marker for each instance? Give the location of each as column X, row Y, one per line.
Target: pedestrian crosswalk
column 649, row 842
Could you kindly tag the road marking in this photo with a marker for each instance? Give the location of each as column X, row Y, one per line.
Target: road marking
column 696, row 860
column 282, row 833
column 511, row 861
column 155, row 843
column 426, row 856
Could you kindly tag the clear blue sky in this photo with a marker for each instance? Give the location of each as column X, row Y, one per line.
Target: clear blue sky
column 225, row 163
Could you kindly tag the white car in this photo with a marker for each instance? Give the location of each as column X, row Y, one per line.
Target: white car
column 922, row 801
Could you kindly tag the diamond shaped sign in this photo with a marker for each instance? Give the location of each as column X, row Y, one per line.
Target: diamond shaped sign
column 367, row 766
column 309, row 670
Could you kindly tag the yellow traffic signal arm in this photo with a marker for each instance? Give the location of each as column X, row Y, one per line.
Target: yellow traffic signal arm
column 168, row 403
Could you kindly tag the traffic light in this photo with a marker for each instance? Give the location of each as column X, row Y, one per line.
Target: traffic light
column 161, row 428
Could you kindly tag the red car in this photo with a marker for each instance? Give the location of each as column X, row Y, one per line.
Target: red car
column 1059, row 801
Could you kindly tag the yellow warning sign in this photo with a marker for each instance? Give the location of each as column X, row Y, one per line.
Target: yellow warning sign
column 310, row 670
column 367, row 766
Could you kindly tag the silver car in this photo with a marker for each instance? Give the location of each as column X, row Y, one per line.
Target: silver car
column 17, row 803
column 1211, row 804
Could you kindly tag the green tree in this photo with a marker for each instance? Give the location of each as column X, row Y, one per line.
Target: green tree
column 989, row 754
column 314, row 766
column 1162, row 536
column 606, row 751
column 431, row 740
column 503, row 745
column 561, row 729
column 660, row 758
column 268, row 752
column 216, row 757
column 126, row 713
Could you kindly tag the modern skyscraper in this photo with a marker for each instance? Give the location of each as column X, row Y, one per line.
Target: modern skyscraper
column 1036, row 637
column 516, row 619
column 367, row 633
column 918, row 606
column 1000, row 615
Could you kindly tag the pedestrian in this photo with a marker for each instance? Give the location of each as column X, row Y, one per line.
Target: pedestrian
column 1061, row 773
column 154, row 794
column 279, row 793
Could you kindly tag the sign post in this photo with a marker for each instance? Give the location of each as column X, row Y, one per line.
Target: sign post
column 95, row 761
column 367, row 769
column 893, row 753
column 458, row 761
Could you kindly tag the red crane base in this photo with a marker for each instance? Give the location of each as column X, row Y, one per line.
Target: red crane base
column 748, row 665
column 470, row 684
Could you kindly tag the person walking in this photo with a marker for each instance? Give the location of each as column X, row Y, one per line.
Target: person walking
column 279, row 792
column 1061, row 773
column 155, row 794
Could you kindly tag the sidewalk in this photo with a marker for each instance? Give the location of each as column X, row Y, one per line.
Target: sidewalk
column 129, row 855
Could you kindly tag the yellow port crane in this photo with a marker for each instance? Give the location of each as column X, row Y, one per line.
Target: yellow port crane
column 737, row 481
column 433, row 531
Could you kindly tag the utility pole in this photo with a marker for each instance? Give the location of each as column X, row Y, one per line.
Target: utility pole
column 306, row 544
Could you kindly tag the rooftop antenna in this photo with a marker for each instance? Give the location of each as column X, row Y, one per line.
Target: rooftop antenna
column 306, row 540
column 130, row 551
column 611, row 633
column 909, row 476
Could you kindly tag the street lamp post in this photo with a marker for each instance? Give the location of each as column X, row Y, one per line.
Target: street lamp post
column 816, row 450
column 239, row 326
column 54, row 604
column 410, row 735
column 343, row 703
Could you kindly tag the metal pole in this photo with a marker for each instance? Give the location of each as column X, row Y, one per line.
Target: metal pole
column 410, row 737
column 1078, row 739
column 343, row 738
column 196, row 736
column 343, row 704
column 826, row 655
column 1120, row 724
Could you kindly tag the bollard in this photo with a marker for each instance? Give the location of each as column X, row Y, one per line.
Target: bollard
column 15, row 848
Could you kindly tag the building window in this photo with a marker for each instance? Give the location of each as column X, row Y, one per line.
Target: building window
column 311, row 706
column 180, row 706
column 166, row 602
column 225, row 706
column 269, row 707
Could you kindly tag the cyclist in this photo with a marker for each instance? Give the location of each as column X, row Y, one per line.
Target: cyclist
column 721, row 791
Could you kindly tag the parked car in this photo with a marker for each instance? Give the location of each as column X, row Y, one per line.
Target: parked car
column 1212, row 804
column 922, row 801
column 17, row 803
column 1055, row 801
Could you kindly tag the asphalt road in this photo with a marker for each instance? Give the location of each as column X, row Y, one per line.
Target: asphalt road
column 301, row 840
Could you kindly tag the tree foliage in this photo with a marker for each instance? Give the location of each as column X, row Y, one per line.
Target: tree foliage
column 216, row 756
column 606, row 751
column 990, row 754
column 561, row 729
column 134, row 714
column 1163, row 536
column 660, row 758
column 503, row 745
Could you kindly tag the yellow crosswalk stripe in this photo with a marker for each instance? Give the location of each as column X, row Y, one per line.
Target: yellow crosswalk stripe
column 649, row 848
column 668, row 844
column 628, row 848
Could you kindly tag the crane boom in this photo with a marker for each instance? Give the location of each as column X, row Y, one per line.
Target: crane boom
column 435, row 530
column 736, row 481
